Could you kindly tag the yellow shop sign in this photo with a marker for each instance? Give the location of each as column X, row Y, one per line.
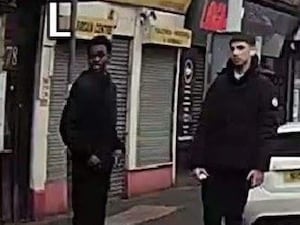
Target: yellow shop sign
column 178, row 6
column 171, row 37
column 89, row 27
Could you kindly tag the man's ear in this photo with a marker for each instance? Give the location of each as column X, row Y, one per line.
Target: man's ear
column 253, row 51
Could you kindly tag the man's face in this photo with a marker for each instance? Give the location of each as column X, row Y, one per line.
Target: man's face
column 240, row 53
column 98, row 57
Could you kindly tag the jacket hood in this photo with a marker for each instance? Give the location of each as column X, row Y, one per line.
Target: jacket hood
column 252, row 71
column 230, row 66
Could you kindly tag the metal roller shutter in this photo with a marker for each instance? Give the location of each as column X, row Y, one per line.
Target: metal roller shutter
column 57, row 161
column 119, row 71
column 156, row 101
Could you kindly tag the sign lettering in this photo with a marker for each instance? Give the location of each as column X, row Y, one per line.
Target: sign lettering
column 11, row 58
column 85, row 26
column 164, row 36
column 89, row 27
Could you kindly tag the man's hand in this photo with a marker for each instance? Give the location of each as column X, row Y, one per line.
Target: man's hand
column 200, row 173
column 256, row 177
column 93, row 161
column 117, row 156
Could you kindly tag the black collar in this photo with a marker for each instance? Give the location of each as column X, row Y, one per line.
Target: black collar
column 250, row 73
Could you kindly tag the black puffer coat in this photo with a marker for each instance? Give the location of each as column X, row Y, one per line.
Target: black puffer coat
column 238, row 119
column 89, row 118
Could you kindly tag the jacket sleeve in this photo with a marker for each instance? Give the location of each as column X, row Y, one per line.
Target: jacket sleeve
column 67, row 120
column 68, row 126
column 117, row 143
column 268, row 123
column 198, row 145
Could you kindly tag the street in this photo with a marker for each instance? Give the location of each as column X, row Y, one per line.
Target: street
column 175, row 206
column 178, row 206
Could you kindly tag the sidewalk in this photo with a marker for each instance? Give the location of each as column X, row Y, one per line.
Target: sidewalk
column 175, row 206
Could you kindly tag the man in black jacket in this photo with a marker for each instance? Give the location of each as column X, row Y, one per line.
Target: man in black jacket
column 88, row 129
column 230, row 150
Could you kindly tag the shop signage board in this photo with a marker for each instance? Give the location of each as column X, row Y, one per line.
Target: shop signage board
column 88, row 27
column 166, row 36
column 177, row 6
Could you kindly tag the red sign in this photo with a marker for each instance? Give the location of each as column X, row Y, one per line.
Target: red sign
column 214, row 16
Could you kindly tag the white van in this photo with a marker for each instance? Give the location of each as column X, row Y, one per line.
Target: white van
column 277, row 200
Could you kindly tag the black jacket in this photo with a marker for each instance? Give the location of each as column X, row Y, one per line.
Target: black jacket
column 238, row 119
column 88, row 123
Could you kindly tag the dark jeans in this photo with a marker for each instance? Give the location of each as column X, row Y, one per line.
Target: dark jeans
column 224, row 194
column 89, row 194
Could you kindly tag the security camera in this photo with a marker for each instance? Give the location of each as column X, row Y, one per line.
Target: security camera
column 143, row 18
column 153, row 15
column 146, row 15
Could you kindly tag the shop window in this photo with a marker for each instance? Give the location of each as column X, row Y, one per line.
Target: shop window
column 296, row 97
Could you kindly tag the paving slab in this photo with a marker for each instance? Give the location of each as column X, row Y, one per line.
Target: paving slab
column 139, row 214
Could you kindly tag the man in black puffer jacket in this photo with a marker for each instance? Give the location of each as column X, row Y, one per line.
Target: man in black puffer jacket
column 88, row 128
column 230, row 150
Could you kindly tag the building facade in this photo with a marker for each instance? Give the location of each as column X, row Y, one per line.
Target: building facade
column 17, row 90
column 147, row 41
column 163, row 59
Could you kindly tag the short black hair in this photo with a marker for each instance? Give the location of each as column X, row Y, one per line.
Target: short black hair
column 243, row 38
column 100, row 40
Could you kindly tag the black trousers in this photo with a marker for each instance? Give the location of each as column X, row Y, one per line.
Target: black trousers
column 89, row 194
column 224, row 195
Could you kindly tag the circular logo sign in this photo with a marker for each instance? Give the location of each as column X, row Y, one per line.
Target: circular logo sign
column 188, row 71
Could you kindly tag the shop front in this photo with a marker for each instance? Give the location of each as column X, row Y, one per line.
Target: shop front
column 161, row 43
column 144, row 64
column 108, row 23
column 94, row 18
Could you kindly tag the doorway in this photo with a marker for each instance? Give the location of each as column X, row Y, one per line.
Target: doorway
column 22, row 31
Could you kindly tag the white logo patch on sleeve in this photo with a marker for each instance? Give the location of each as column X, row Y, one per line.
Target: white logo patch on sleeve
column 275, row 102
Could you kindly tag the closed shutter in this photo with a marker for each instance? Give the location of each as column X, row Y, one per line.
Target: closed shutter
column 57, row 162
column 119, row 71
column 156, row 101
